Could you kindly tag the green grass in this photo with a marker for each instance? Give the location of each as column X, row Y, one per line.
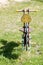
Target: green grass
column 11, row 50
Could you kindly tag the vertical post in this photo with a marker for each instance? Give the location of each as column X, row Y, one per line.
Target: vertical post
column 28, row 29
column 28, row 34
column 24, row 36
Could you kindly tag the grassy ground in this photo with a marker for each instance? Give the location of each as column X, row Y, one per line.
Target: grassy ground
column 11, row 50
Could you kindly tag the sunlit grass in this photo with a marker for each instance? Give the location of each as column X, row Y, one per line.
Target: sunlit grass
column 10, row 23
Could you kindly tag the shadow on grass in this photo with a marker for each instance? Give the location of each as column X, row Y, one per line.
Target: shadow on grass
column 7, row 49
